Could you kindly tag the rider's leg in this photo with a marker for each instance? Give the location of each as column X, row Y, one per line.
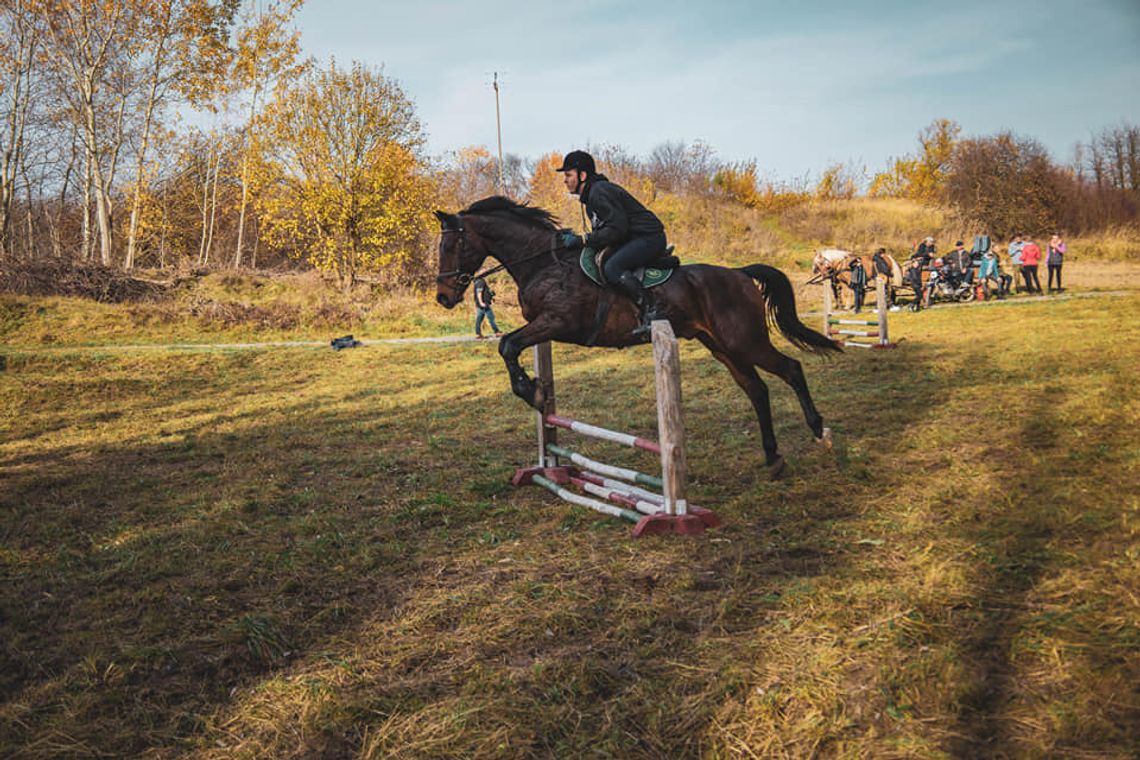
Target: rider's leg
column 633, row 254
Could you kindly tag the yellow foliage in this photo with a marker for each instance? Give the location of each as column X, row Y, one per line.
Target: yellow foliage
column 547, row 191
column 923, row 177
column 339, row 180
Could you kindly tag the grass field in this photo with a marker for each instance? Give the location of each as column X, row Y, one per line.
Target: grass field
column 301, row 553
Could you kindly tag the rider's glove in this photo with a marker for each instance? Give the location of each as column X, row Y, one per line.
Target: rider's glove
column 572, row 241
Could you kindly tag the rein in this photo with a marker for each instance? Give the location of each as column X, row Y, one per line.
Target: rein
column 465, row 278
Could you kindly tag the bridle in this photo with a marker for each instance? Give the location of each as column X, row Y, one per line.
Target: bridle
column 465, row 278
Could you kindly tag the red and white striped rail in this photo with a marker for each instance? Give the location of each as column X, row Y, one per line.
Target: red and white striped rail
column 625, row 439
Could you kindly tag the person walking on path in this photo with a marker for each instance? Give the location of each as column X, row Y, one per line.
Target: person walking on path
column 484, row 296
column 1030, row 258
column 1054, row 260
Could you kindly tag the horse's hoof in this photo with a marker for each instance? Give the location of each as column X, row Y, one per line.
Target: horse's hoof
column 825, row 440
column 776, row 469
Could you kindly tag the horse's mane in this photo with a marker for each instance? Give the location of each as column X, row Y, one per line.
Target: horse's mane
column 497, row 204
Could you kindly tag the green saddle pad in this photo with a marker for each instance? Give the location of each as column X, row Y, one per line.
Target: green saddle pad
column 651, row 277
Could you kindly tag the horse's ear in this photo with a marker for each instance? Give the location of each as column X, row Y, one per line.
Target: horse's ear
column 446, row 220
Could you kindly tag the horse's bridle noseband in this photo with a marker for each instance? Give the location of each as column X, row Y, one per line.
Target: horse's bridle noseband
column 464, row 278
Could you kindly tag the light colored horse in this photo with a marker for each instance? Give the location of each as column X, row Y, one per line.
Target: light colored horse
column 833, row 265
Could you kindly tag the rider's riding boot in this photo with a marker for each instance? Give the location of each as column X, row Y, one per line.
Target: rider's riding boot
column 631, row 287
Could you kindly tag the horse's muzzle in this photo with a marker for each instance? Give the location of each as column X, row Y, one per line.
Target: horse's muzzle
column 444, row 300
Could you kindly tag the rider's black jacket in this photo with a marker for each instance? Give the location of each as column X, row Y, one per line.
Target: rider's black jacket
column 615, row 215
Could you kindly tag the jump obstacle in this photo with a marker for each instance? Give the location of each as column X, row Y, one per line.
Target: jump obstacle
column 627, row 492
column 835, row 328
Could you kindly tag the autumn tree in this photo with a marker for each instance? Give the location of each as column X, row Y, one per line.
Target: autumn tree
column 546, row 190
column 89, row 46
column 183, row 49
column 267, row 56
column 18, row 45
column 342, row 181
column 1112, row 158
column 921, row 177
column 1007, row 183
column 472, row 173
column 678, row 167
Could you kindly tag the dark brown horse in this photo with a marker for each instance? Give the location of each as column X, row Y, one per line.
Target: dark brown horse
column 722, row 308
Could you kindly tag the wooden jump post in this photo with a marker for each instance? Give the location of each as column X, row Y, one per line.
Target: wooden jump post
column 835, row 328
column 626, row 492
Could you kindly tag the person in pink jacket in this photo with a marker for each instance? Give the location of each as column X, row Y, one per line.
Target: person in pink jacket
column 1030, row 258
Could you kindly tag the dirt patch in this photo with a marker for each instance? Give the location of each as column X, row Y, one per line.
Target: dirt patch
column 65, row 278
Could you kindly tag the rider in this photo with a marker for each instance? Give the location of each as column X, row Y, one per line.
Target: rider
column 620, row 222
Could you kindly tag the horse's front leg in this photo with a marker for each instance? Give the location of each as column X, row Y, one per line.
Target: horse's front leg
column 511, row 346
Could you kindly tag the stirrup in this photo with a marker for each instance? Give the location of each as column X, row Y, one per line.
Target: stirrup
column 646, row 326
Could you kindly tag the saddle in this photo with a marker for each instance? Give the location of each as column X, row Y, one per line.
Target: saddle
column 651, row 275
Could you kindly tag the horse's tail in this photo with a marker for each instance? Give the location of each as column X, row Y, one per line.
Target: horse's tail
column 781, row 307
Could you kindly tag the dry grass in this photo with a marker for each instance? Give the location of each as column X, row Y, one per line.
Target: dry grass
column 297, row 553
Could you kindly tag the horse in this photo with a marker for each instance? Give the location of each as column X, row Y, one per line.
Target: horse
column 727, row 310
column 834, row 267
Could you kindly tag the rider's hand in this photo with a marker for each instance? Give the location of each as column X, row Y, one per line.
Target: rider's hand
column 572, row 240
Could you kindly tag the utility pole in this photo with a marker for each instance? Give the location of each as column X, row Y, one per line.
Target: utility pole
column 499, row 131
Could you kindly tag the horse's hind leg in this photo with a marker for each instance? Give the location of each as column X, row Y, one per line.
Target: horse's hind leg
column 757, row 392
column 792, row 372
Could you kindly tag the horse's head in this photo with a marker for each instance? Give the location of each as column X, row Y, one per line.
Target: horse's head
column 459, row 258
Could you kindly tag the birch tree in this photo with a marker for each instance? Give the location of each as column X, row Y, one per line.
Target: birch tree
column 267, row 56
column 90, row 45
column 18, row 43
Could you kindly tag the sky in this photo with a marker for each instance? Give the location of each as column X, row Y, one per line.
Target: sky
column 796, row 86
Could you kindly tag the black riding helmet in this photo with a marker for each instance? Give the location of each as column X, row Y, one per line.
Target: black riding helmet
column 578, row 160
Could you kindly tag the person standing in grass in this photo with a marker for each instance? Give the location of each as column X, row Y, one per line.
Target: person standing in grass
column 1015, row 247
column 483, row 298
column 858, row 281
column 913, row 277
column 1054, row 261
column 1030, row 258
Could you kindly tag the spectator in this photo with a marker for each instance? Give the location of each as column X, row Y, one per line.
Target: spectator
column 1054, row 261
column 913, row 277
column 937, row 274
column 858, row 281
column 1015, row 247
column 925, row 251
column 1030, row 258
column 988, row 271
column 960, row 265
column 880, row 267
column 484, row 296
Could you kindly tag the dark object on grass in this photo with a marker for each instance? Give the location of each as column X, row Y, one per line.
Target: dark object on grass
column 344, row 342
